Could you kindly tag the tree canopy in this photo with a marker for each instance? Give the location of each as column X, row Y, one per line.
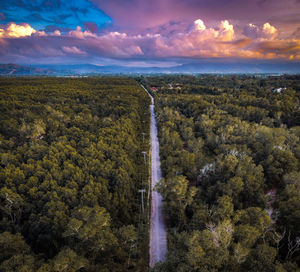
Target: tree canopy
column 71, row 165
column 229, row 148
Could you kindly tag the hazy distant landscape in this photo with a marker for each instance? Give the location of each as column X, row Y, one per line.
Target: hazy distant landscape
column 195, row 68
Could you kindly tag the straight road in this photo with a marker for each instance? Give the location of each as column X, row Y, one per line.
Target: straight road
column 158, row 234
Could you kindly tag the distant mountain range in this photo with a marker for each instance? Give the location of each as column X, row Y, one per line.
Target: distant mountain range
column 191, row 68
column 20, row 70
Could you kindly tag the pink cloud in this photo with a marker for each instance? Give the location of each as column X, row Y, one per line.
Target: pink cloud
column 79, row 34
column 197, row 39
column 266, row 31
column 73, row 50
column 56, row 33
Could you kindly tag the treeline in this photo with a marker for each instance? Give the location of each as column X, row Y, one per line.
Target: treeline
column 71, row 166
column 230, row 162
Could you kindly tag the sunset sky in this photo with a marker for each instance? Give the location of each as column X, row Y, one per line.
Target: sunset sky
column 145, row 33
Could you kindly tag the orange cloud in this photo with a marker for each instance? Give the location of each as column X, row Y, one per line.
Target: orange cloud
column 267, row 31
column 226, row 32
column 196, row 40
column 13, row 30
column 270, row 31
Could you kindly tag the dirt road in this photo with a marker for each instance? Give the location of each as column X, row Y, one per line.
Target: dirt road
column 158, row 234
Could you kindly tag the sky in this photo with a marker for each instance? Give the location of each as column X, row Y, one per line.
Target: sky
column 148, row 32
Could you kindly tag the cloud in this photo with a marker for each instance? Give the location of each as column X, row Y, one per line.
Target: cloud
column 200, row 42
column 288, row 49
column 199, row 25
column 296, row 33
column 81, row 34
column 13, row 30
column 55, row 33
column 73, row 50
column 226, row 31
column 171, row 28
column 270, row 31
column 173, row 40
column 266, row 31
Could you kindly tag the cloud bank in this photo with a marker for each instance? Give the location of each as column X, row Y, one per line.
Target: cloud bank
column 195, row 39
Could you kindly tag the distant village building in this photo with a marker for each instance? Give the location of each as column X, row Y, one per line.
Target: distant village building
column 154, row 89
column 278, row 90
column 170, row 86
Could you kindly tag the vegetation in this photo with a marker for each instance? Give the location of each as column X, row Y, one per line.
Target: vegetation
column 71, row 166
column 230, row 156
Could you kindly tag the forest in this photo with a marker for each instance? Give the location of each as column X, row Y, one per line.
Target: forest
column 71, row 165
column 230, row 157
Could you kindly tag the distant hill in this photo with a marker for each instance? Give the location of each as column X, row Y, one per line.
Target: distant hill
column 239, row 67
column 19, row 70
column 204, row 66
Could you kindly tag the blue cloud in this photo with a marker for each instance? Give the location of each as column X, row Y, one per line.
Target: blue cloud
column 62, row 13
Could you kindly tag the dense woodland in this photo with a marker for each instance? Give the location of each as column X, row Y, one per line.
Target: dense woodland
column 71, row 166
column 230, row 155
